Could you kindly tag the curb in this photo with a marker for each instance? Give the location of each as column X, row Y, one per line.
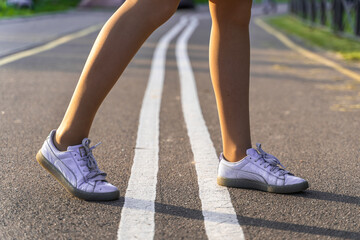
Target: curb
column 305, row 52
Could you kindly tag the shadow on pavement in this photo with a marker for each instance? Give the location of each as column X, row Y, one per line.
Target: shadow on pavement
column 250, row 221
column 313, row 194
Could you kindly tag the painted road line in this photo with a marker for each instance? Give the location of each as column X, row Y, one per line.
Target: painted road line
column 137, row 217
column 219, row 215
column 50, row 45
column 313, row 56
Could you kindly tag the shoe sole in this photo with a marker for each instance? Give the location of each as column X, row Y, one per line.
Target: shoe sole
column 66, row 184
column 248, row 184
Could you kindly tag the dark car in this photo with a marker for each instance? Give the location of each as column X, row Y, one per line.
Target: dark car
column 186, row 4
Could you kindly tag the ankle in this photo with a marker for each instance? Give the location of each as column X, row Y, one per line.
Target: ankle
column 58, row 143
column 63, row 139
column 234, row 156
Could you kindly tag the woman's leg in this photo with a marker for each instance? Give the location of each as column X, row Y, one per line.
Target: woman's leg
column 117, row 43
column 229, row 68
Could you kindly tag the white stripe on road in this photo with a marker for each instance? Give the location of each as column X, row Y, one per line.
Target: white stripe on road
column 137, row 217
column 219, row 215
column 50, row 45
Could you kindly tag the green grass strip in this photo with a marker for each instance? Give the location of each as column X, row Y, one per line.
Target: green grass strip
column 254, row 1
column 347, row 47
column 40, row 6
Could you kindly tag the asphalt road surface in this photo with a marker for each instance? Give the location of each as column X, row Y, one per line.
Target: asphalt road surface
column 301, row 111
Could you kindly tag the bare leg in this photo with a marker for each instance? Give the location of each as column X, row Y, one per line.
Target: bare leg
column 229, row 68
column 117, row 43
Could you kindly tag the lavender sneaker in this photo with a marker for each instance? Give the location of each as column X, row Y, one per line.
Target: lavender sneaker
column 76, row 169
column 259, row 170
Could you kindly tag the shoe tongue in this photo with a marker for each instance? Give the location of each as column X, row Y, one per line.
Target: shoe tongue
column 252, row 153
column 78, row 148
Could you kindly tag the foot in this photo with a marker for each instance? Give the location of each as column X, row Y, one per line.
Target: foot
column 76, row 169
column 259, row 170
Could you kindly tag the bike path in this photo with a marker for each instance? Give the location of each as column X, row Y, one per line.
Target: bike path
column 292, row 115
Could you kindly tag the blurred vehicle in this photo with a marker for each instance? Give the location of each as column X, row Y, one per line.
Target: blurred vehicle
column 269, row 6
column 186, row 4
column 20, row 3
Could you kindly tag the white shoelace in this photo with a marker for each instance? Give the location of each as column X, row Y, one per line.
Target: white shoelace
column 89, row 160
column 270, row 160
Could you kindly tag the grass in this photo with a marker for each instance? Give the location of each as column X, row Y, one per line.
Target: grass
column 40, row 6
column 254, row 1
column 323, row 38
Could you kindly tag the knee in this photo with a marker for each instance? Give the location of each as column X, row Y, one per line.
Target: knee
column 159, row 10
column 237, row 12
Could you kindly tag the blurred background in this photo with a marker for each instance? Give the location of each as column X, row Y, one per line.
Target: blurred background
column 329, row 25
column 340, row 15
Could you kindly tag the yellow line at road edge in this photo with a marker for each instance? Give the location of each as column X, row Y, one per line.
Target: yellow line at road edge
column 49, row 45
column 305, row 52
